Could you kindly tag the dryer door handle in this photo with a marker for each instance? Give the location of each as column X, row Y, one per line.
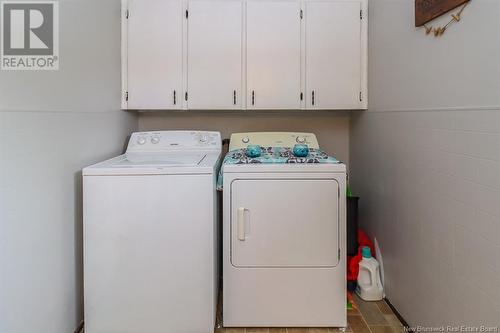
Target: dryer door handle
column 241, row 223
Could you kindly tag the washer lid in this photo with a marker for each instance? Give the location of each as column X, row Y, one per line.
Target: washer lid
column 164, row 163
column 133, row 160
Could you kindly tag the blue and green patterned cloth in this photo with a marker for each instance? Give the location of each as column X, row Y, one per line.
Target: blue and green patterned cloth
column 274, row 155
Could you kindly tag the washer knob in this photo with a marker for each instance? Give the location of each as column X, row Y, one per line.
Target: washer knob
column 246, row 139
column 300, row 139
column 141, row 140
column 155, row 140
column 203, row 138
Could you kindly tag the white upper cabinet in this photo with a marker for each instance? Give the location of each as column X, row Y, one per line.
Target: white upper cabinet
column 244, row 54
column 153, row 58
column 334, row 55
column 273, row 61
column 214, row 52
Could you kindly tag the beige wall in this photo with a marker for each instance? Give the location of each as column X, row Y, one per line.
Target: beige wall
column 425, row 160
column 331, row 128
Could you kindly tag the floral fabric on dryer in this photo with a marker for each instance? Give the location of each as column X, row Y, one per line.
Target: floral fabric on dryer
column 274, row 155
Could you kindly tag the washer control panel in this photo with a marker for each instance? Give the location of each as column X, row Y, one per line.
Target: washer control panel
column 272, row 139
column 162, row 141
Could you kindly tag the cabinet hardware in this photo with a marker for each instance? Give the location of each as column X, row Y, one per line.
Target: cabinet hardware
column 234, row 97
column 187, row 13
column 361, row 14
column 175, row 97
column 127, row 14
column 360, row 96
column 313, row 98
column 301, row 96
column 301, row 14
column 126, row 96
column 186, row 96
column 253, row 97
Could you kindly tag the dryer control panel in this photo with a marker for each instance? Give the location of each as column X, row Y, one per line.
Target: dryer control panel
column 164, row 141
column 272, row 139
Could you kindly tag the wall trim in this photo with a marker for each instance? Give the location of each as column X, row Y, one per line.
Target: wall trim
column 440, row 109
column 65, row 112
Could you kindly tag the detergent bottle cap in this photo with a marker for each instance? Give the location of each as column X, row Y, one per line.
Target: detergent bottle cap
column 365, row 252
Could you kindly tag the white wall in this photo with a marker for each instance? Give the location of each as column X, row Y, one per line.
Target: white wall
column 51, row 125
column 425, row 160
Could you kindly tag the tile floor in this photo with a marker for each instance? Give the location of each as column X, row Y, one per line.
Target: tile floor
column 370, row 317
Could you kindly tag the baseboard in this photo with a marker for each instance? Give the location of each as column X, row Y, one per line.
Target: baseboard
column 396, row 312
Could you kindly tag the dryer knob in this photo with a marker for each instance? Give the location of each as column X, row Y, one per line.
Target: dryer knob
column 141, row 141
column 155, row 140
column 300, row 139
column 246, row 139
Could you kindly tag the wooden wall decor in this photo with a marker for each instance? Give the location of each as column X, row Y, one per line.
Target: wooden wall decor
column 428, row 10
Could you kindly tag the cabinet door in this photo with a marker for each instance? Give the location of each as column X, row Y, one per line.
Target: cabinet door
column 333, row 54
column 214, row 54
column 154, row 54
column 273, row 54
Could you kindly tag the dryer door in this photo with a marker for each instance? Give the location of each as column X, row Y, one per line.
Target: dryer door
column 285, row 223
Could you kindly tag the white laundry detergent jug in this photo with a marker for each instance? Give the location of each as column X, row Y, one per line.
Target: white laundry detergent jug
column 369, row 285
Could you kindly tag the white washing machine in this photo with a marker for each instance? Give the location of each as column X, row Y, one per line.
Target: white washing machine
column 150, row 236
column 284, row 257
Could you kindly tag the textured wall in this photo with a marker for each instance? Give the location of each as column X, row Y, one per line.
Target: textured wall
column 425, row 160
